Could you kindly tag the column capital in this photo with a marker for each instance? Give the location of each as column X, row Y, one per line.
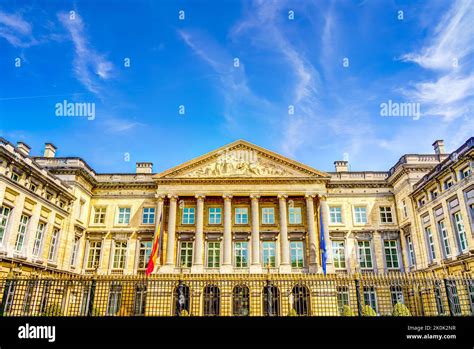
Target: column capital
column 254, row 196
column 173, row 197
column 200, row 196
column 309, row 196
column 322, row 197
column 282, row 196
column 227, row 196
column 160, row 197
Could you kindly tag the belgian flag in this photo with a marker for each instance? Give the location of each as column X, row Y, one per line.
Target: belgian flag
column 157, row 242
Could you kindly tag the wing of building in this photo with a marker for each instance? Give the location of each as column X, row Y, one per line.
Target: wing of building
column 238, row 209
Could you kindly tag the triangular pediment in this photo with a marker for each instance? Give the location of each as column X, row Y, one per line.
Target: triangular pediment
column 241, row 159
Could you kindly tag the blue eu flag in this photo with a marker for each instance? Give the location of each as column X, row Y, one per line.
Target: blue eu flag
column 322, row 242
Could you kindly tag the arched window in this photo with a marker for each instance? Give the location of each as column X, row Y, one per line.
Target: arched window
column 300, row 301
column 181, row 299
column 241, row 301
column 211, row 300
column 271, row 300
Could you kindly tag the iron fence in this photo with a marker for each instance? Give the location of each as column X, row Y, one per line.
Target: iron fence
column 238, row 295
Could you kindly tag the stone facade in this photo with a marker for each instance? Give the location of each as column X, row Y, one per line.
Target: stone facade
column 239, row 209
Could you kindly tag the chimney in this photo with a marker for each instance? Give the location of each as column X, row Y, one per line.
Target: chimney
column 49, row 150
column 144, row 167
column 23, row 148
column 439, row 147
column 341, row 166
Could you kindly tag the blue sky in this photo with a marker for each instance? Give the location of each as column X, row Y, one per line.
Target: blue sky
column 423, row 54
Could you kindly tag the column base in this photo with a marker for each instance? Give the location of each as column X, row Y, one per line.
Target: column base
column 329, row 268
column 226, row 269
column 314, row 268
column 166, row 269
column 285, row 269
column 255, row 269
column 197, row 269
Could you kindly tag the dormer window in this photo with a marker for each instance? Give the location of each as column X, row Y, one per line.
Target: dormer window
column 448, row 183
column 15, row 177
column 421, row 202
column 33, row 187
column 465, row 172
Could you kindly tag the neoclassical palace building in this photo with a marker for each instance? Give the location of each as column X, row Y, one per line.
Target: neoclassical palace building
column 240, row 209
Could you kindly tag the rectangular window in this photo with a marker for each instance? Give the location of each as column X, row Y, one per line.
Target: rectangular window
column 188, row 215
column 268, row 215
column 148, row 215
column 241, row 215
column 186, row 254
column 433, row 194
column 411, row 251
column 124, row 215
column 360, row 214
column 297, row 254
column 22, row 229
column 241, row 254
column 4, row 215
column 370, row 297
column 431, row 244
column 294, row 214
column 75, row 249
column 396, row 293
column 453, row 297
column 391, row 254
column 335, row 215
column 269, row 256
column 99, row 215
column 342, row 298
column 215, row 215
column 386, row 214
column 365, row 255
column 213, row 254
column 115, row 299
column 404, row 209
column 93, row 258
column 470, row 294
column 53, row 247
column 439, row 299
column 144, row 253
column 37, row 244
column 461, row 234
column 443, row 233
column 120, row 252
column 339, row 255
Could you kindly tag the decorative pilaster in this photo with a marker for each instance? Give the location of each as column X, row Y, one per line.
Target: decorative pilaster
column 170, row 246
column 227, row 260
column 255, row 266
column 199, row 238
column 285, row 266
column 312, row 239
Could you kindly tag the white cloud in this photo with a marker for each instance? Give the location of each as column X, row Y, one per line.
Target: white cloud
column 448, row 53
column 90, row 67
column 16, row 30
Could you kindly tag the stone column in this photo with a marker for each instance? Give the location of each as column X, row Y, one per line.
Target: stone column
column 226, row 266
column 285, row 266
column 199, row 240
column 255, row 266
column 312, row 239
column 159, row 211
column 170, row 246
column 325, row 216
